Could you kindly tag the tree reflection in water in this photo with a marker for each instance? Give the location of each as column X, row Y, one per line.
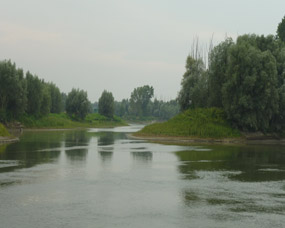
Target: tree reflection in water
column 76, row 143
column 219, row 170
column 142, row 156
column 106, row 142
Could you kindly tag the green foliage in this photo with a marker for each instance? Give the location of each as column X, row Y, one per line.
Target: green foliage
column 140, row 99
column 13, row 100
column 63, row 100
column 56, row 99
column 77, row 104
column 48, row 121
column 281, row 30
column 250, row 95
column 95, row 119
column 164, row 110
column 218, row 58
column 122, row 108
column 194, row 89
column 3, row 131
column 30, row 95
column 202, row 123
column 245, row 78
column 106, row 104
column 63, row 121
column 46, row 100
column 34, row 94
column 157, row 110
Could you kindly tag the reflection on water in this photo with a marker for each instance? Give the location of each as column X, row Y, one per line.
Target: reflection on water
column 80, row 177
column 106, row 139
column 255, row 163
column 235, row 179
column 76, row 138
column 145, row 156
column 76, row 154
column 105, row 145
column 76, row 143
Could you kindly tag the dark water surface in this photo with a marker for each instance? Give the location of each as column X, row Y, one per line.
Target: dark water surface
column 100, row 178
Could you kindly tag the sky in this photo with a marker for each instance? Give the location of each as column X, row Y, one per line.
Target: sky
column 118, row 45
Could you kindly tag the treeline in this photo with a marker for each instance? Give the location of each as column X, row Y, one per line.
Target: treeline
column 140, row 106
column 245, row 78
column 20, row 94
column 26, row 94
column 157, row 109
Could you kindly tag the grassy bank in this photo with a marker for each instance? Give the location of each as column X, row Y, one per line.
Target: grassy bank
column 197, row 123
column 58, row 121
column 3, row 131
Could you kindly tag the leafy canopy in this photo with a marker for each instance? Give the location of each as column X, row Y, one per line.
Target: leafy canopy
column 140, row 99
column 106, row 104
column 77, row 104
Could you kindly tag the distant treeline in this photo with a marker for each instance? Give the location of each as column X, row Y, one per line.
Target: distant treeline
column 141, row 106
column 26, row 94
column 157, row 109
column 245, row 78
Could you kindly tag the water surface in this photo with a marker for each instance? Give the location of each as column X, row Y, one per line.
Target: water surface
column 101, row 178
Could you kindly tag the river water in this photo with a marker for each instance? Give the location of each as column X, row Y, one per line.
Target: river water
column 101, row 178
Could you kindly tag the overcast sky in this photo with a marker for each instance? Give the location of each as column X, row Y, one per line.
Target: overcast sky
column 118, row 45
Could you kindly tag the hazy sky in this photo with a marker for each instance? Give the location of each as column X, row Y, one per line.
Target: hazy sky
column 118, row 45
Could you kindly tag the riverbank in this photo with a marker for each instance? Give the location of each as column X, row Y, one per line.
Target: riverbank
column 194, row 123
column 63, row 121
column 55, row 122
column 5, row 136
column 202, row 126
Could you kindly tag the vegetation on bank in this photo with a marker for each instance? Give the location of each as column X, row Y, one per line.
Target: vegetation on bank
column 3, row 131
column 63, row 121
column 245, row 78
column 24, row 97
column 194, row 123
column 239, row 85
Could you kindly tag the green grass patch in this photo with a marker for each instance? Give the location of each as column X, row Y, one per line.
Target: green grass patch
column 63, row 121
column 3, row 131
column 196, row 123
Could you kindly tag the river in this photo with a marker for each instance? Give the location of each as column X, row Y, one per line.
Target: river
column 101, row 178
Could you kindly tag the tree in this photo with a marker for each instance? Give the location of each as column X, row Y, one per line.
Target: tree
column 194, row 89
column 63, row 100
column 218, row 63
column 77, row 104
column 122, row 108
column 13, row 97
column 281, row 30
column 56, row 99
column 46, row 100
column 106, row 104
column 34, row 94
column 250, row 94
column 140, row 98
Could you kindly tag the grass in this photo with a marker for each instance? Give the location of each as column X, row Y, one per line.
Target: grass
column 3, row 131
column 195, row 123
column 63, row 121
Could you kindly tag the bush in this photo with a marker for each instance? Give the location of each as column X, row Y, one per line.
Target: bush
column 202, row 123
column 3, row 131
